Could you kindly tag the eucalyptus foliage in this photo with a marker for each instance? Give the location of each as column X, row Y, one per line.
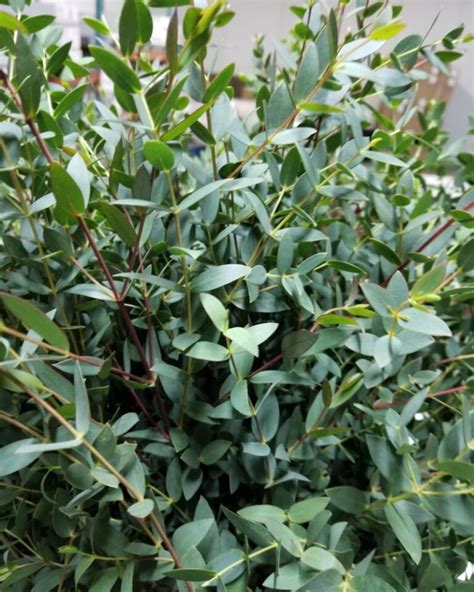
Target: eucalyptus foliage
column 234, row 354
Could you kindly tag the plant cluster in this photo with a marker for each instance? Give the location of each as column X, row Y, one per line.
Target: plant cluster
column 246, row 367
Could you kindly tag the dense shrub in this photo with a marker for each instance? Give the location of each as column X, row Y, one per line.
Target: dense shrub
column 234, row 354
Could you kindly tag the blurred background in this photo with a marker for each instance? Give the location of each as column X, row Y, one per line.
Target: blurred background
column 235, row 42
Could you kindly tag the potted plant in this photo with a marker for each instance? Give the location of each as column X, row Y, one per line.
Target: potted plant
column 248, row 368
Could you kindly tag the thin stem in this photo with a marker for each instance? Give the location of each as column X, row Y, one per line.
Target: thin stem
column 73, row 356
column 456, row 359
column 123, row 310
column 29, row 121
column 288, row 121
column 389, row 405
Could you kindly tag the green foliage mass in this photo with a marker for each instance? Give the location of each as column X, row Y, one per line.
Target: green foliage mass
column 234, row 354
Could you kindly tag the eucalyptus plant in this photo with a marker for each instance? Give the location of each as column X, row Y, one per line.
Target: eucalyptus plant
column 235, row 354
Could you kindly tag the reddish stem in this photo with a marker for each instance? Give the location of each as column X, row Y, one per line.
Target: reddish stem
column 386, row 405
column 29, row 121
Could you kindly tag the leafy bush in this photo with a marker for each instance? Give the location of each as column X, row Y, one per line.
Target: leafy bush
column 234, row 355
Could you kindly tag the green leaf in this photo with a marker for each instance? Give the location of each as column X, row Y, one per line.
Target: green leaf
column 191, row 534
column 219, row 276
column 385, row 158
column 239, row 398
column 423, row 322
column 145, row 22
column 169, row 3
column 335, row 319
column 460, row 470
column 105, row 478
column 405, row 530
column 388, row 31
column 36, row 320
column 321, row 560
column 327, row 393
column 119, row 223
column 260, row 211
column 256, row 449
column 347, row 390
column 127, row 578
column 379, row 299
column 135, row 25
column 57, row 61
column 296, row 344
column 12, row 461
column 8, row 21
column 214, row 451
column 159, row 155
column 345, row 266
column 306, row 510
column 82, row 567
column 172, row 42
column 360, row 310
column 372, row 583
column 98, row 26
column 429, row 282
column 83, row 412
column 117, row 70
column 319, row 108
column 141, row 509
column 33, row 24
column 106, row 580
column 219, row 84
column 285, row 537
column 263, row 331
column 215, row 311
column 263, row 513
column 293, row 576
column 201, row 193
column 69, row 197
column 293, row 136
column 69, row 100
column 255, row 532
column 385, row 251
column 244, row 338
column 466, row 256
column 348, row 499
column 210, row 352
column 447, row 56
column 386, row 349
column 186, row 123
column 50, row 446
column 79, row 173
column 29, row 77
column 191, row 575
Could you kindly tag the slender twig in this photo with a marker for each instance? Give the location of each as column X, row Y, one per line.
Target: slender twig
column 72, row 355
column 456, row 359
column 389, row 405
